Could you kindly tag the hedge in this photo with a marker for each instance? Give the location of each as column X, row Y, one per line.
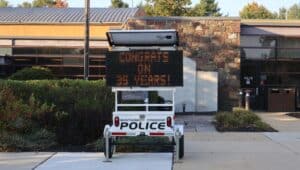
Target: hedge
column 76, row 111
column 33, row 73
column 241, row 120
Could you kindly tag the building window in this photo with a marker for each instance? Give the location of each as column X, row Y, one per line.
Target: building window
column 268, row 47
column 5, row 51
column 64, row 62
column 258, row 41
column 258, row 53
column 24, row 51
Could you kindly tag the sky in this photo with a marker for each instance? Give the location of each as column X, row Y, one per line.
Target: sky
column 230, row 7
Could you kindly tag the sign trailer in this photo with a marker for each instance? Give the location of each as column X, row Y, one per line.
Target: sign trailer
column 143, row 68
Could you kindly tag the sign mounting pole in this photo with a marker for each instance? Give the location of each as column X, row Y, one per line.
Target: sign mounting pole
column 86, row 39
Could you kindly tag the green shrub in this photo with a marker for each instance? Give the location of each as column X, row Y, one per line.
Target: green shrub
column 33, row 73
column 76, row 110
column 240, row 120
column 38, row 140
column 20, row 126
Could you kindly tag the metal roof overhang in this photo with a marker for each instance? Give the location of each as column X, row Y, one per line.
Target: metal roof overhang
column 286, row 31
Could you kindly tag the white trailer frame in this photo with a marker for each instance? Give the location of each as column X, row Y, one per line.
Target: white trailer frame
column 174, row 131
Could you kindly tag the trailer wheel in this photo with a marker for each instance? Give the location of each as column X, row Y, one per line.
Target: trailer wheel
column 181, row 147
column 110, row 148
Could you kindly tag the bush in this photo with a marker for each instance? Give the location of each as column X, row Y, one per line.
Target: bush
column 240, row 120
column 38, row 140
column 75, row 110
column 33, row 73
column 19, row 124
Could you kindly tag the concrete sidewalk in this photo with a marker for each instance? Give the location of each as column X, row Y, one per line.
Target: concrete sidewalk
column 240, row 151
column 95, row 161
column 281, row 121
column 206, row 150
column 81, row 161
column 22, row 160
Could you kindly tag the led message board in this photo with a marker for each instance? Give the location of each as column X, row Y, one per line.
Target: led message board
column 144, row 68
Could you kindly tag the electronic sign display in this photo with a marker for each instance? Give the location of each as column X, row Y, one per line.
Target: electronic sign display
column 144, row 68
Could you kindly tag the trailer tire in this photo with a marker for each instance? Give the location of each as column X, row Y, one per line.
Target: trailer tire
column 110, row 148
column 181, row 147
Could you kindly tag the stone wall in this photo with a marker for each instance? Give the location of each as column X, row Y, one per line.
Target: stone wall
column 212, row 42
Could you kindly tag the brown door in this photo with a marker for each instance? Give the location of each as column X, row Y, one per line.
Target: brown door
column 281, row 99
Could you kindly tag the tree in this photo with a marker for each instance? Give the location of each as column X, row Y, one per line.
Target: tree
column 282, row 13
column 43, row 3
column 294, row 12
column 118, row 4
column 61, row 4
column 25, row 5
column 206, row 8
column 3, row 3
column 256, row 11
column 166, row 8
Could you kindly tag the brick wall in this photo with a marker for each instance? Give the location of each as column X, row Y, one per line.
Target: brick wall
column 212, row 42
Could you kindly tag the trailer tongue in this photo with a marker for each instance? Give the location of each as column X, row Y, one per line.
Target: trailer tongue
column 143, row 68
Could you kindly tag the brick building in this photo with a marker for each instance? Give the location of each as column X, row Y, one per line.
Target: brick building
column 213, row 44
column 216, row 52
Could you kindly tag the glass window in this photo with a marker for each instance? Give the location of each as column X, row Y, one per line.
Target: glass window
column 73, row 61
column 288, row 42
column 5, row 51
column 257, row 41
column 142, row 97
column 96, row 51
column 71, row 51
column 258, row 53
column 24, row 51
column 2, row 60
column 132, row 97
column 48, row 51
column 288, row 53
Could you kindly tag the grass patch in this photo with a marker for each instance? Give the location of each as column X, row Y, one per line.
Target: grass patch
column 240, row 120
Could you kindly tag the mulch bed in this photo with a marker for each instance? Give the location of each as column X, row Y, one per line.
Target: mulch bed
column 250, row 129
column 296, row 115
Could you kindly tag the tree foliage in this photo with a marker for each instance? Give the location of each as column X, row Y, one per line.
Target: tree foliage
column 3, row 3
column 256, row 11
column 118, row 4
column 45, row 3
column 25, row 5
column 294, row 12
column 206, row 8
column 167, row 8
column 282, row 13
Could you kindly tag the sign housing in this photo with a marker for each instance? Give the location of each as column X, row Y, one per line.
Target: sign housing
column 144, row 68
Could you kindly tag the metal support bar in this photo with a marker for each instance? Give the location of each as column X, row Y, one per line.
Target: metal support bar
column 247, row 101
column 106, row 135
column 86, row 39
column 177, row 138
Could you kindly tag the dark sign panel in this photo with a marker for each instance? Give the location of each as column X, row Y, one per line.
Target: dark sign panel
column 144, row 68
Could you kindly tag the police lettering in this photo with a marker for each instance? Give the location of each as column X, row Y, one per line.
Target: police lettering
column 143, row 126
column 123, row 124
